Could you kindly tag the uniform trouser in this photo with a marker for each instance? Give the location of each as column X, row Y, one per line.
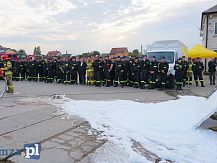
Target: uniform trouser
column 125, row 77
column 198, row 77
column 23, row 74
column 108, row 77
column 90, row 77
column 35, row 77
column 66, row 77
column 82, row 76
column 136, row 76
column 163, row 78
column 73, row 76
column 103, row 79
column 31, row 74
column 112, row 76
column 45, row 74
column 184, row 77
column 130, row 77
column 94, row 75
column 179, row 80
column 10, row 86
column 99, row 77
column 15, row 75
column 119, row 77
column 50, row 76
column 189, row 77
column 59, row 77
column 41, row 74
column 212, row 77
column 144, row 76
column 152, row 79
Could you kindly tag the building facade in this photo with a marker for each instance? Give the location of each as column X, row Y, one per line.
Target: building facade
column 119, row 52
column 54, row 54
column 209, row 28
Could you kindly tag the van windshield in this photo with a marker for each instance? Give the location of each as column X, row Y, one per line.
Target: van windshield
column 168, row 55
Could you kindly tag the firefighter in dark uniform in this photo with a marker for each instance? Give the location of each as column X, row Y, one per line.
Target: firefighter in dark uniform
column 73, row 66
column 40, row 70
column 54, row 71
column 94, row 71
column 119, row 68
column 163, row 69
column 59, row 71
column 185, row 70
column 30, row 70
column 66, row 75
column 129, row 69
column 35, row 78
column 19, row 69
column 179, row 72
column 98, row 65
column 108, row 66
column 136, row 72
column 212, row 71
column 153, row 72
column 82, row 68
column 126, row 70
column 50, row 71
column 112, row 71
column 45, row 69
column 15, row 71
column 24, row 74
column 144, row 66
column 198, row 68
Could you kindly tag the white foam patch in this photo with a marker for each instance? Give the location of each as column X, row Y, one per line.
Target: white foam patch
column 166, row 129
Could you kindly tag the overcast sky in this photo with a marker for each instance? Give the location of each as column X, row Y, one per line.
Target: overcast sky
column 86, row 25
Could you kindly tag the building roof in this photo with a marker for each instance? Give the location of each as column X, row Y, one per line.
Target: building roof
column 11, row 51
column 118, row 50
column 54, row 53
column 211, row 10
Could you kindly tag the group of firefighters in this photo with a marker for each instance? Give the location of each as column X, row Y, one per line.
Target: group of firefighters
column 98, row 71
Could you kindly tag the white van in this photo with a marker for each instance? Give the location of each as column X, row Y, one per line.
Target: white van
column 170, row 49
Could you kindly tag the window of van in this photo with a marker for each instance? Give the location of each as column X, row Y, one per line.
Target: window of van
column 168, row 55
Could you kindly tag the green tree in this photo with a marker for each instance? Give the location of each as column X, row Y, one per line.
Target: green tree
column 21, row 54
column 37, row 50
column 95, row 53
column 136, row 52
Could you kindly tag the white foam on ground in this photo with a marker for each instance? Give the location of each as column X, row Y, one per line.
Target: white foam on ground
column 166, row 129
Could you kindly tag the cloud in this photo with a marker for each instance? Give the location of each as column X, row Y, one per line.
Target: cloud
column 91, row 24
column 26, row 17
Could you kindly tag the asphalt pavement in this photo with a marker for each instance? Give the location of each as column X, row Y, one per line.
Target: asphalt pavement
column 28, row 117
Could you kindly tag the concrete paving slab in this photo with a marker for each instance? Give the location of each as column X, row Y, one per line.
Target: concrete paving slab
column 30, row 118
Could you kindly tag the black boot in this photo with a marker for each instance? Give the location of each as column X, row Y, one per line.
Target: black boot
column 162, row 88
column 177, row 87
column 108, row 84
column 115, row 84
column 142, row 86
column 184, row 83
column 196, row 83
column 151, row 86
column 202, row 84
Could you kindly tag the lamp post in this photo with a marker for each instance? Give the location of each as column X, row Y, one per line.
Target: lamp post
column 207, row 35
